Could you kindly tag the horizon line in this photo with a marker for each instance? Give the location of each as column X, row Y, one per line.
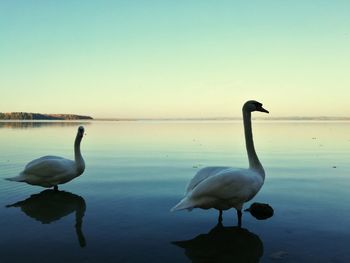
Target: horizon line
column 222, row 118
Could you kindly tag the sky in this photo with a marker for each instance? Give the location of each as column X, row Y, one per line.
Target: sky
column 168, row 59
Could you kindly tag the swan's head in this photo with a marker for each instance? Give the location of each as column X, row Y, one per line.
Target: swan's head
column 253, row 105
column 81, row 131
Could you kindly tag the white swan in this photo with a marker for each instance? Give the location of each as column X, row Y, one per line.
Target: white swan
column 225, row 187
column 50, row 171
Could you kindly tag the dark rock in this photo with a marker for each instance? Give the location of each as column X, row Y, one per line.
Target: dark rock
column 260, row 211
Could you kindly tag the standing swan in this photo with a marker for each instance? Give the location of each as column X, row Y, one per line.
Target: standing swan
column 225, row 187
column 50, row 171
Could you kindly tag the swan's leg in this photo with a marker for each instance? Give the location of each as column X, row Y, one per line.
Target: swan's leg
column 219, row 226
column 220, row 216
column 55, row 188
column 239, row 216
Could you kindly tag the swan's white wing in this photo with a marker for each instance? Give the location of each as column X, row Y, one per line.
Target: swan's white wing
column 203, row 174
column 49, row 166
column 230, row 184
column 40, row 160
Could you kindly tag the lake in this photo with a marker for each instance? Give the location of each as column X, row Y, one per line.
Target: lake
column 118, row 210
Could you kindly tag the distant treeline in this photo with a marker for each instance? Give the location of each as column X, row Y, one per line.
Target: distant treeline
column 39, row 116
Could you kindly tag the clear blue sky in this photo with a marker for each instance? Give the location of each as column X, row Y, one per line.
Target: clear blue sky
column 175, row 58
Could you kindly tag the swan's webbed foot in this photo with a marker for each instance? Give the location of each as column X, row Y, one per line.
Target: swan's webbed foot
column 220, row 217
column 55, row 188
column 239, row 216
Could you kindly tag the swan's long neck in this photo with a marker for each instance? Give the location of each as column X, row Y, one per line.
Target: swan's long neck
column 254, row 162
column 77, row 154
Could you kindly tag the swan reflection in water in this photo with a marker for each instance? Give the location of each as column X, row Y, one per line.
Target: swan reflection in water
column 224, row 244
column 50, row 205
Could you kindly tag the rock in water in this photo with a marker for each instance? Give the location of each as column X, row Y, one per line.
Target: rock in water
column 260, row 211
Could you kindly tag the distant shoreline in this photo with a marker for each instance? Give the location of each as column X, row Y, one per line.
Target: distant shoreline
column 29, row 116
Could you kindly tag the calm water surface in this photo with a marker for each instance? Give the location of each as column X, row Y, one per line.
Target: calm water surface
column 118, row 210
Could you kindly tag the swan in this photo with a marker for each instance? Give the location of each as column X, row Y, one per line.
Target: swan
column 50, row 171
column 223, row 188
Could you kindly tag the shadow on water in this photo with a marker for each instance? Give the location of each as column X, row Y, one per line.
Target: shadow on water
column 50, row 205
column 224, row 244
column 39, row 124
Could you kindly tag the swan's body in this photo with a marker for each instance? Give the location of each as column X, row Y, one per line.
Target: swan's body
column 223, row 188
column 50, row 171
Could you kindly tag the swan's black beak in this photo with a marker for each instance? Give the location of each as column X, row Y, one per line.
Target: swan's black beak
column 263, row 110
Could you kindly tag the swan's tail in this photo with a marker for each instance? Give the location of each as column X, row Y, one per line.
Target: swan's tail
column 19, row 178
column 182, row 205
